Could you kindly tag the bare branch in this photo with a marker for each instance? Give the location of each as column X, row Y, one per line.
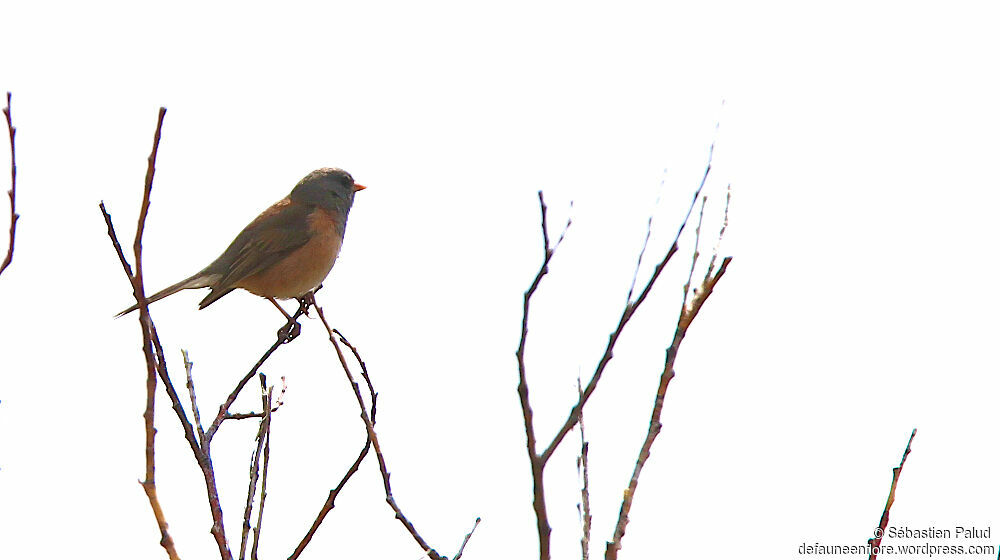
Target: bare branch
column 722, row 233
column 202, row 453
column 876, row 541
column 638, row 261
column 583, row 466
column 12, row 193
column 114, row 241
column 276, row 404
column 329, row 504
column 430, row 552
column 465, row 541
column 268, row 399
column 255, row 467
column 188, row 367
column 285, row 335
column 537, row 462
column 149, row 484
column 156, row 366
column 144, row 209
column 627, row 313
column 687, row 315
column 696, row 253
column 332, row 497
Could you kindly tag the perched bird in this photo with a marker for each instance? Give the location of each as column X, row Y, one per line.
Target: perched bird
column 287, row 251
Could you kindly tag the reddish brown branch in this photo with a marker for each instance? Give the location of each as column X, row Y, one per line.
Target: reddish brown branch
column 876, row 541
column 688, row 313
column 329, row 504
column 332, row 497
column 630, row 308
column 13, row 189
column 537, row 461
column 686, row 316
column 146, row 192
column 285, row 335
column 370, row 427
column 202, row 453
column 149, row 483
column 156, row 366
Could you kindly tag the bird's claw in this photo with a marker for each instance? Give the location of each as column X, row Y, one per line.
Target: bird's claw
column 307, row 301
column 289, row 332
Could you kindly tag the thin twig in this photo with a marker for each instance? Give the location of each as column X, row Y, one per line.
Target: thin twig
column 248, row 415
column 876, row 541
column 263, row 474
column 202, row 453
column 536, row 461
column 149, row 484
column 144, row 211
column 254, row 469
column 722, row 233
column 465, row 541
column 630, row 308
column 156, row 362
column 285, row 335
column 188, row 367
column 696, row 253
column 638, row 261
column 277, row 403
column 687, row 315
column 13, row 188
column 583, row 466
column 332, row 497
column 430, row 552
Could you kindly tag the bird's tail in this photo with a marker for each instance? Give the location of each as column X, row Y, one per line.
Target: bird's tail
column 200, row 280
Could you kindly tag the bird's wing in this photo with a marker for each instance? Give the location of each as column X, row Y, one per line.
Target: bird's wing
column 276, row 233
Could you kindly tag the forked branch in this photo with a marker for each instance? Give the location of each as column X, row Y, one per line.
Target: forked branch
column 152, row 364
column 686, row 316
column 538, row 459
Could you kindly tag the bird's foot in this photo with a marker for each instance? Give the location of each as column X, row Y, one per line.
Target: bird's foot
column 289, row 332
column 307, row 301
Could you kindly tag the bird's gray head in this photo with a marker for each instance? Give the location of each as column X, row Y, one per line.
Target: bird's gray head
column 329, row 188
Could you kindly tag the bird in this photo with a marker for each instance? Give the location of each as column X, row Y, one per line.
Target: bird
column 286, row 251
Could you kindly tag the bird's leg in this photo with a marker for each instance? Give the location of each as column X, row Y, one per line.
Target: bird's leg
column 291, row 329
column 307, row 300
column 310, row 298
column 280, row 308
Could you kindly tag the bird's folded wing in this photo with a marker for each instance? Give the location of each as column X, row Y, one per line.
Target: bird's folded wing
column 272, row 236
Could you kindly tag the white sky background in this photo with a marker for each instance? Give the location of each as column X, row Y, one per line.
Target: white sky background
column 860, row 141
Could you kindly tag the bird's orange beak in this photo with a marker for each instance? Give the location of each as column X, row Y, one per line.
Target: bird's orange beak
column 358, row 187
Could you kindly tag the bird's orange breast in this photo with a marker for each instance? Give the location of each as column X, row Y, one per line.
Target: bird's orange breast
column 303, row 269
